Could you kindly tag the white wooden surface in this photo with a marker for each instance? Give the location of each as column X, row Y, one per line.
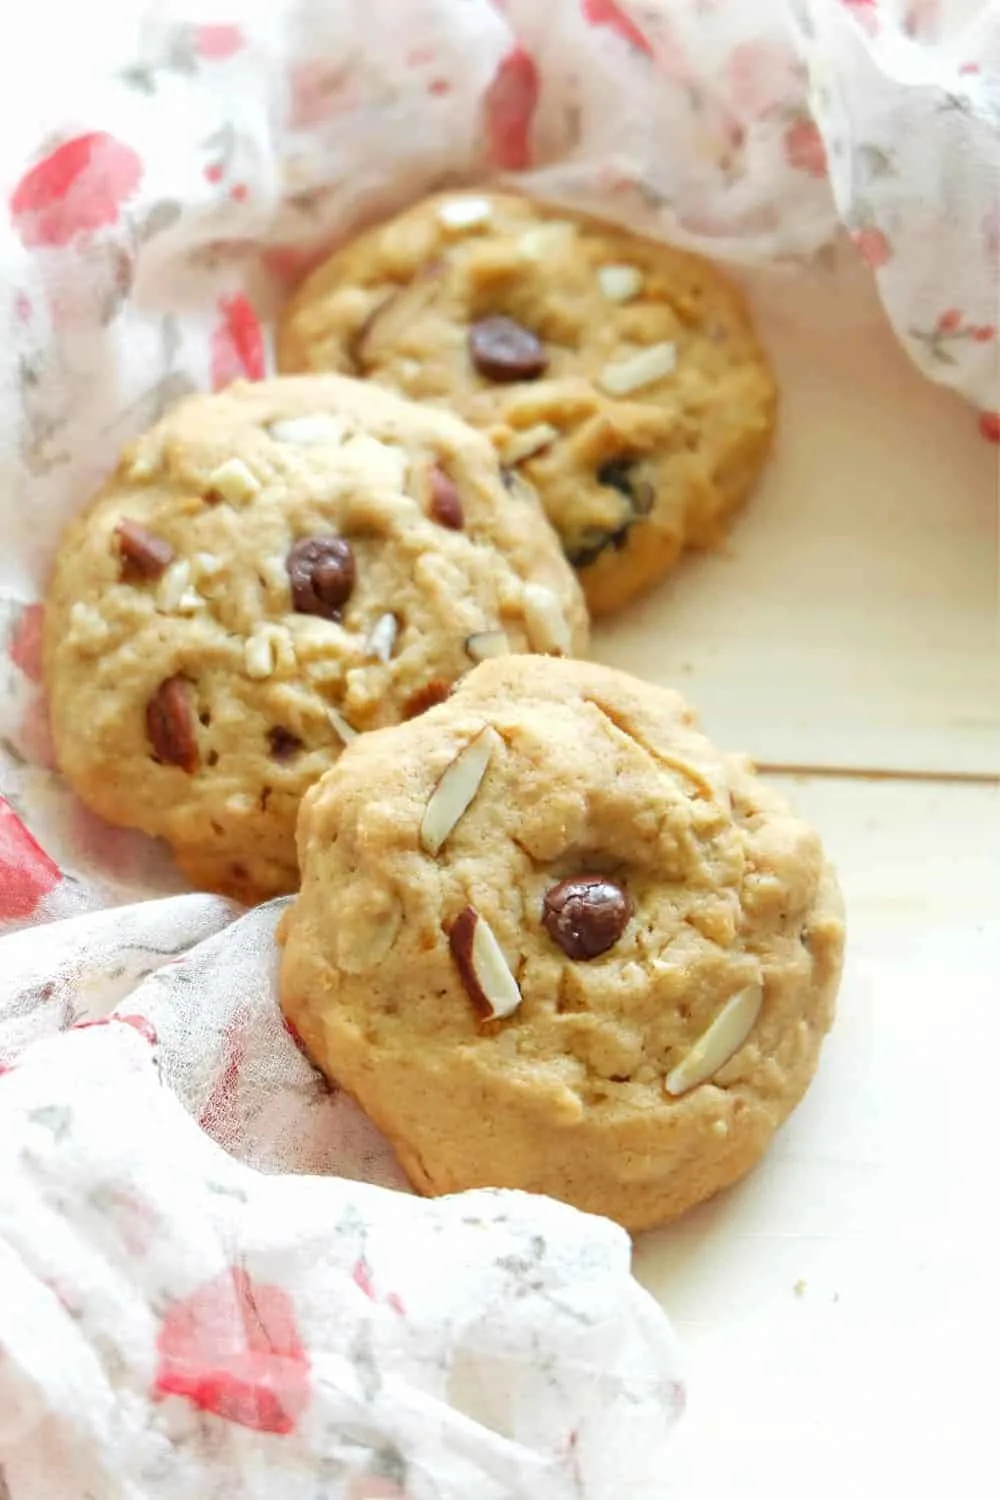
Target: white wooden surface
column 839, row 1307
column 851, row 620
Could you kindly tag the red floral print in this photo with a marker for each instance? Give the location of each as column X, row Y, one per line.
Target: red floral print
column 374, row 1487
column 873, row 247
column 362, row 1278
column 34, row 733
column 866, row 13
column 233, row 1348
column 220, row 1100
column 216, row 43
column 26, row 872
column 318, row 90
column 949, row 321
column 237, row 343
column 509, row 107
column 145, row 1028
column 607, row 13
column 76, row 189
column 763, row 76
column 804, row 148
column 25, row 649
column 989, row 426
column 290, row 263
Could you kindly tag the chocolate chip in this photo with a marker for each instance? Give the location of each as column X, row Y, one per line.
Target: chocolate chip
column 143, row 554
column 170, row 725
column 502, row 350
column 435, row 691
column 322, row 572
column 282, row 742
column 444, row 505
column 621, row 475
column 586, row 915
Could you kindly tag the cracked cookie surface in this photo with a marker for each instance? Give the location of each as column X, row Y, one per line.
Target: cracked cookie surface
column 622, row 377
column 271, row 569
column 551, row 939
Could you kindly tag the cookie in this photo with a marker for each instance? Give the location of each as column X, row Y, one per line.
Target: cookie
column 551, row 939
column 623, row 378
column 271, row 570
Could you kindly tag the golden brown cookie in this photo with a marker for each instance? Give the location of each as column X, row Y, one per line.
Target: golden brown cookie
column 271, row 570
column 622, row 377
column 551, row 939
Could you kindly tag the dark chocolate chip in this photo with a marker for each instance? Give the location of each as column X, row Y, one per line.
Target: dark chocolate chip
column 622, row 475
column 282, row 742
column 143, row 554
column 322, row 572
column 502, row 350
column 586, row 915
column 433, row 692
column 170, row 725
column 444, row 505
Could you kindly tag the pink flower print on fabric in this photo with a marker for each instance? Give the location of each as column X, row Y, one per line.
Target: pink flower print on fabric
column 233, row 1348
column 75, row 190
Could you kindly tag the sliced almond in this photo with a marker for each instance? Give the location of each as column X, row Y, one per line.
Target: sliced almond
column 380, row 335
column 259, row 656
column 487, row 643
column 347, row 732
column 274, row 572
column 547, row 626
column 530, row 440
column 173, row 585
column 234, row 482
column 205, row 565
column 484, row 971
column 190, row 602
column 644, row 368
column 543, row 239
column 619, row 283
column 312, row 430
column 382, row 638
column 464, row 213
column 452, row 796
column 721, row 1041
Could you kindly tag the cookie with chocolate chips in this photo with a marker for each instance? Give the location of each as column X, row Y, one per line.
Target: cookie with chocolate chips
column 551, row 939
column 270, row 571
column 621, row 377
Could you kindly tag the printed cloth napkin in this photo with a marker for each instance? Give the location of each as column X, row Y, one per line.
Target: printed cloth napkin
column 207, row 1267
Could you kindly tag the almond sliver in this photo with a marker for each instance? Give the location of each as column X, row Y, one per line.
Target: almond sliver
column 721, row 1041
column 639, row 370
column 619, row 283
column 452, row 797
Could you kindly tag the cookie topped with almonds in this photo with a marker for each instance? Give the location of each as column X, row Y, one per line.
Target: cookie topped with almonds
column 623, row 378
column 551, row 939
column 271, row 571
